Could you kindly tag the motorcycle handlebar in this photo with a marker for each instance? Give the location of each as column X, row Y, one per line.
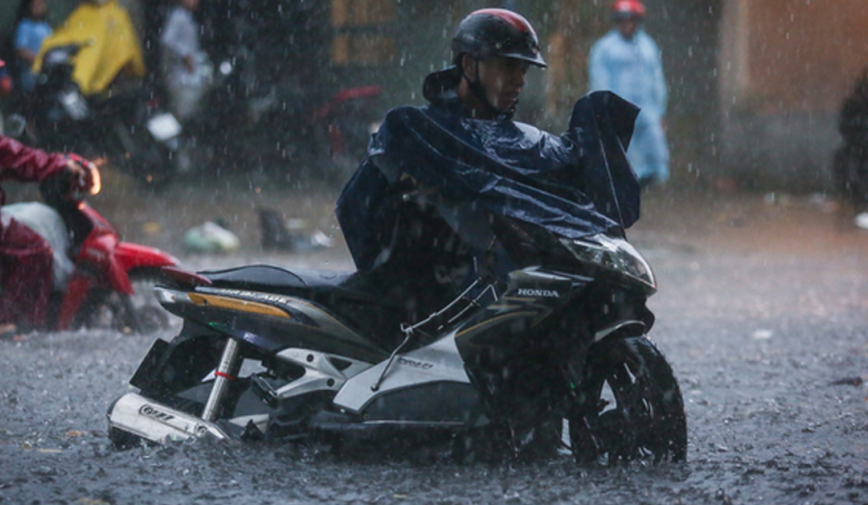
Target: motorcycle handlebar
column 71, row 185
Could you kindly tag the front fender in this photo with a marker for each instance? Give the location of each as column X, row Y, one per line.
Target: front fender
column 622, row 329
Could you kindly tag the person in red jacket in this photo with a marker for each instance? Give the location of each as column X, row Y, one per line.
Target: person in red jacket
column 26, row 257
column 5, row 80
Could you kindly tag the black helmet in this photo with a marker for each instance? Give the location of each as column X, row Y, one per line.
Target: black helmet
column 497, row 32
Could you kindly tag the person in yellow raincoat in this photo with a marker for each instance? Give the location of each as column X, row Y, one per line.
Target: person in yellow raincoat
column 109, row 45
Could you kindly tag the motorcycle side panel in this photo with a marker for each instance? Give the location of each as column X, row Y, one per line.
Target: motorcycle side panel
column 320, row 372
column 438, row 362
column 305, row 325
column 432, row 404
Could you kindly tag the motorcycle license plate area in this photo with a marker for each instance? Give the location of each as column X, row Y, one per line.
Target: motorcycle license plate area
column 164, row 126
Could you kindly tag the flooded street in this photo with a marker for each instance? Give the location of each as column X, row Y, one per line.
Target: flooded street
column 761, row 310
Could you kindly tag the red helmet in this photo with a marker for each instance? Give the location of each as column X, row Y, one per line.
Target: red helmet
column 626, row 9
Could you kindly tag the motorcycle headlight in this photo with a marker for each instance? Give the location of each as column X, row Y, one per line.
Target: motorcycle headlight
column 613, row 254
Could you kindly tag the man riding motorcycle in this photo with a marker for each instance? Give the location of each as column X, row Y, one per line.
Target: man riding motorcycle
column 463, row 153
column 26, row 257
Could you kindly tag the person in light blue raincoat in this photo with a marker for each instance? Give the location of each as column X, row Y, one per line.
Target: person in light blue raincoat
column 627, row 62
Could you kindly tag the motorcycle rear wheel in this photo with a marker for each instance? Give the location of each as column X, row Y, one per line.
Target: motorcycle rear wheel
column 630, row 408
column 142, row 313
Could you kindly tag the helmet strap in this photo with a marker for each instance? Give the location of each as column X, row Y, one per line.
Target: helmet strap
column 475, row 86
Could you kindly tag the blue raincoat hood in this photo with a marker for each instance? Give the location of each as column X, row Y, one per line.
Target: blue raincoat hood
column 574, row 185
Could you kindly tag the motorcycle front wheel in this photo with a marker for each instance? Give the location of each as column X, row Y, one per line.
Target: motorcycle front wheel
column 630, row 406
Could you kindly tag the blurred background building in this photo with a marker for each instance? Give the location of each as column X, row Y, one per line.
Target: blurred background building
column 755, row 87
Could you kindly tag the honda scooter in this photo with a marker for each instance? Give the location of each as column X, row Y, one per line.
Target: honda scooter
column 267, row 352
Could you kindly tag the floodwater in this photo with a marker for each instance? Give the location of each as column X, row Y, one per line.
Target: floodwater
column 761, row 309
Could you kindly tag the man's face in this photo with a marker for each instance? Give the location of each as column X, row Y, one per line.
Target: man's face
column 38, row 9
column 628, row 26
column 503, row 80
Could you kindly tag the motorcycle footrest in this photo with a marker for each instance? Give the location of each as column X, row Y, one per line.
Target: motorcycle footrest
column 262, row 389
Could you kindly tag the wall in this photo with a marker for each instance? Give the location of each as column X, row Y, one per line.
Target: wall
column 786, row 66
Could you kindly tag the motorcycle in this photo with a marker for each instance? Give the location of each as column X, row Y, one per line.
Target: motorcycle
column 271, row 100
column 850, row 162
column 560, row 353
column 99, row 280
column 131, row 129
column 246, row 118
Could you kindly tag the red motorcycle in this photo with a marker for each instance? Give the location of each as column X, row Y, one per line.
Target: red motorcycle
column 101, row 281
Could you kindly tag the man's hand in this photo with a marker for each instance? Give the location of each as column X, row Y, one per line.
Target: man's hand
column 76, row 168
column 83, row 173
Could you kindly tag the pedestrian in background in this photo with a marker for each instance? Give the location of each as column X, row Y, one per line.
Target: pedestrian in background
column 5, row 88
column 186, row 69
column 627, row 62
column 30, row 30
column 5, row 82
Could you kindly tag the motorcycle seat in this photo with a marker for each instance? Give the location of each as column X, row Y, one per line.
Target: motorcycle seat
column 274, row 279
column 354, row 297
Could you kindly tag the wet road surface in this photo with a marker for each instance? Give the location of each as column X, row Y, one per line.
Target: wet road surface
column 763, row 305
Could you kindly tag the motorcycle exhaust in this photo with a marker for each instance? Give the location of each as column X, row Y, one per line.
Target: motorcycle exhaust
column 137, row 415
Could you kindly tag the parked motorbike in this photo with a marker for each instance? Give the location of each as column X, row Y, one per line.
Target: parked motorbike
column 131, row 129
column 269, row 352
column 99, row 280
column 249, row 122
column 850, row 165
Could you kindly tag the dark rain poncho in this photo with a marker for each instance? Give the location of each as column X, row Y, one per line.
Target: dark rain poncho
column 574, row 185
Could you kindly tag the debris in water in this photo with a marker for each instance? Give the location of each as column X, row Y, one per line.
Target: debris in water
column 9, row 332
column 91, row 501
column 286, row 235
column 151, row 228
column 849, row 381
column 762, row 334
column 210, row 237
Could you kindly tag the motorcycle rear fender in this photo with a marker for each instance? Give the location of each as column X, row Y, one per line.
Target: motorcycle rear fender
column 173, row 366
column 128, row 256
